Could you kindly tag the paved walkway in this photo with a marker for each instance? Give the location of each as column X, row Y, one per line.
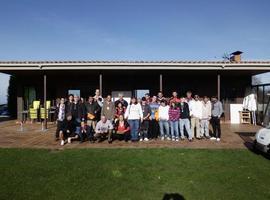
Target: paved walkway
column 11, row 136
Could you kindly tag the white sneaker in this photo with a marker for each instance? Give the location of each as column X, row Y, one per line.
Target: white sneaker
column 173, row 139
column 168, row 138
column 69, row 140
column 213, row 138
column 162, row 138
column 141, row 139
column 177, row 140
column 218, row 139
column 146, row 139
column 62, row 142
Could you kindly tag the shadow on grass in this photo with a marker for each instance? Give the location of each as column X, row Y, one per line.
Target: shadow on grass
column 247, row 137
column 173, row 196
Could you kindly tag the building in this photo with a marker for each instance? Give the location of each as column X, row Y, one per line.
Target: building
column 48, row 80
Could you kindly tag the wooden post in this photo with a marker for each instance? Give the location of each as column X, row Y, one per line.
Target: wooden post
column 218, row 86
column 45, row 100
column 100, row 84
column 160, row 83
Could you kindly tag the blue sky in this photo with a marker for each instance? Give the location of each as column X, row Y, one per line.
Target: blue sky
column 133, row 30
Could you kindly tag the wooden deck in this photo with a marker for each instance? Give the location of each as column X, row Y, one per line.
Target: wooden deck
column 32, row 136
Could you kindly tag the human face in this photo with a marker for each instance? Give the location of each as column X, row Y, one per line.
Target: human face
column 133, row 100
column 163, row 103
column 103, row 119
column 205, row 100
column 62, row 101
column 183, row 100
column 160, row 95
column 76, row 98
column 174, row 94
column 90, row 99
column 119, row 105
column 109, row 98
column 121, row 97
column 70, row 98
column 154, row 99
column 196, row 97
column 189, row 94
column 97, row 93
column 121, row 118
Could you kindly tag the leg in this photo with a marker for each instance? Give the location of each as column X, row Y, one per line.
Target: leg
column 167, row 128
column 192, row 126
column 176, row 130
column 172, row 129
column 198, row 127
column 181, row 125
column 206, row 128
column 218, row 128
column 161, row 129
column 187, row 126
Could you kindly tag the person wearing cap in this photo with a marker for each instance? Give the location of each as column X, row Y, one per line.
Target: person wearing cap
column 146, row 110
column 134, row 116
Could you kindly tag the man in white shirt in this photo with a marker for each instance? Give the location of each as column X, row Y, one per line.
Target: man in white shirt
column 195, row 108
column 206, row 116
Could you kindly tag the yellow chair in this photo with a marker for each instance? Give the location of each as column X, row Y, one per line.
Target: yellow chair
column 33, row 113
column 42, row 113
column 36, row 104
column 48, row 105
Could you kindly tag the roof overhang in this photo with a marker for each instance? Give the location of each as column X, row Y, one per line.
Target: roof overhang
column 10, row 66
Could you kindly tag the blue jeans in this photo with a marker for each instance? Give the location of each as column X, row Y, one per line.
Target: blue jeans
column 164, row 124
column 134, row 128
column 174, row 125
column 185, row 123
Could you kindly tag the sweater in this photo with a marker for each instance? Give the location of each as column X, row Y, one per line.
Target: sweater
column 108, row 110
column 217, row 109
column 195, row 108
column 206, row 110
column 174, row 114
column 133, row 112
column 184, row 110
column 163, row 113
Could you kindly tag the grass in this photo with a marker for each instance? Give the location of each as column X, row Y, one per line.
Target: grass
column 133, row 174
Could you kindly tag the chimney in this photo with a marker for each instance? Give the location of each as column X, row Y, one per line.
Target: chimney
column 236, row 56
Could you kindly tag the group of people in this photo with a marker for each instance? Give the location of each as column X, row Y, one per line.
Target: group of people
column 174, row 118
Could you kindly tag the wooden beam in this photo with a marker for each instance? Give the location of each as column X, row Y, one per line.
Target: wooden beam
column 218, row 86
column 100, row 84
column 160, row 83
column 45, row 100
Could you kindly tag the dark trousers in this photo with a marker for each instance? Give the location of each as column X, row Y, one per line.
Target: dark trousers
column 124, row 136
column 215, row 121
column 90, row 133
column 153, row 129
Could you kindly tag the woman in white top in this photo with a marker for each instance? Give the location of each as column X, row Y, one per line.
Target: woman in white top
column 163, row 118
column 134, row 115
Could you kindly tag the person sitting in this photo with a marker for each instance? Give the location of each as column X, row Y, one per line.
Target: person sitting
column 79, row 133
column 119, row 110
column 121, row 129
column 103, row 129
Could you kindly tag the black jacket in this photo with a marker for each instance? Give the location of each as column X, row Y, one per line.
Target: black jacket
column 92, row 108
column 184, row 111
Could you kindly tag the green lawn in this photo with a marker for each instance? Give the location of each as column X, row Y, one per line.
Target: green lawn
column 133, row 174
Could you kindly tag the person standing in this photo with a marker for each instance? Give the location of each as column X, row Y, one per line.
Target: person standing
column 174, row 114
column 61, row 121
column 175, row 98
column 146, row 110
column 78, row 115
column 195, row 108
column 134, row 115
column 122, row 101
column 184, row 119
column 92, row 110
column 154, row 126
column 206, row 116
column 217, row 111
column 163, row 120
column 108, row 109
